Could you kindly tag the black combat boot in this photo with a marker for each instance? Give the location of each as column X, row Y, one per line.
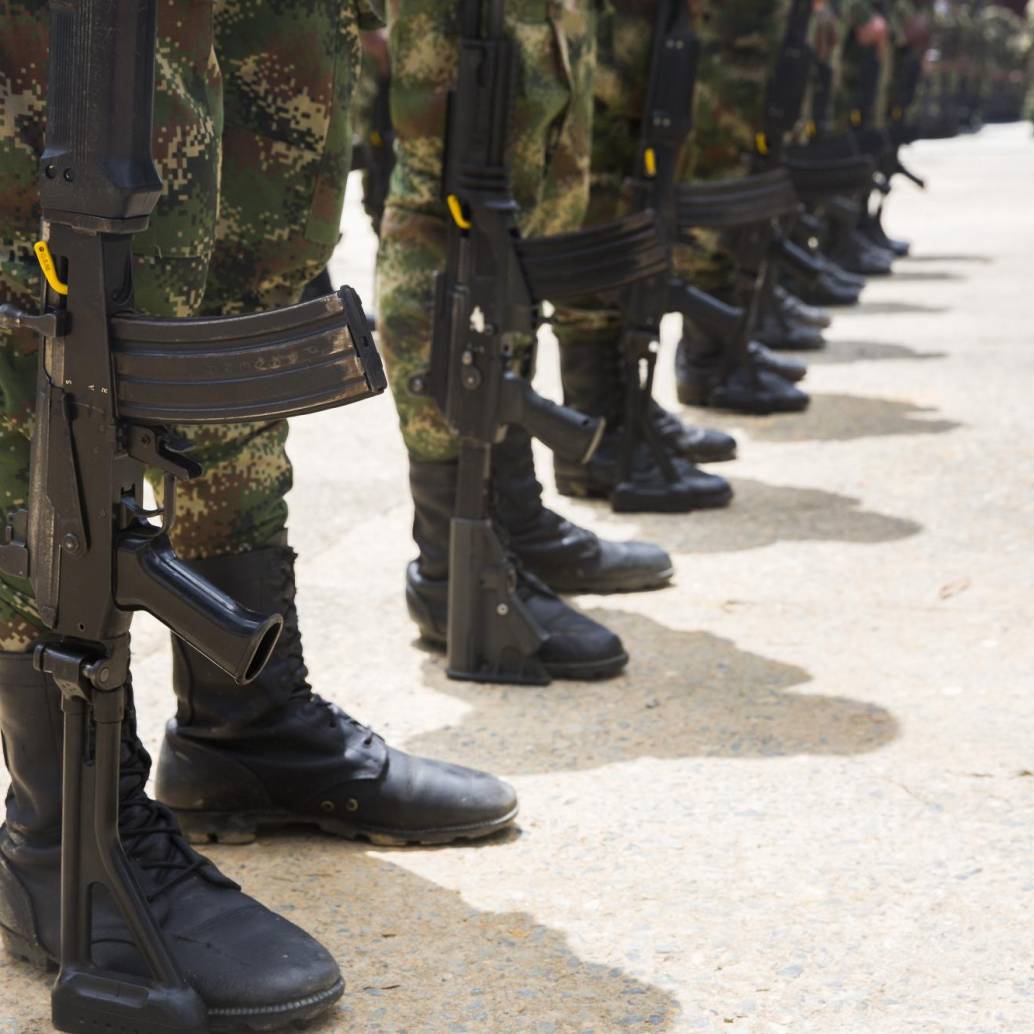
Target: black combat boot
column 813, row 315
column 567, row 558
column 834, row 286
column 696, row 444
column 594, row 383
column 252, row 968
column 853, row 252
column 577, row 647
column 781, row 328
column 274, row 753
column 701, row 379
column 871, row 227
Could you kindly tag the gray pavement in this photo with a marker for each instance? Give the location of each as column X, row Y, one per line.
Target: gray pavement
column 808, row 805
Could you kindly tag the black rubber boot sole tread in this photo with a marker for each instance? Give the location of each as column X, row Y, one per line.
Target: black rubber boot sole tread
column 245, row 827
column 631, row 583
column 704, row 400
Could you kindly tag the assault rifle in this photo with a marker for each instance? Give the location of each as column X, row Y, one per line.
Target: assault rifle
column 487, row 310
column 748, row 210
column 788, row 83
column 110, row 384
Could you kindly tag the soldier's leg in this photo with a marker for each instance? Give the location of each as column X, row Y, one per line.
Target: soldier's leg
column 194, row 894
column 288, row 70
column 549, row 152
column 739, row 43
column 590, row 334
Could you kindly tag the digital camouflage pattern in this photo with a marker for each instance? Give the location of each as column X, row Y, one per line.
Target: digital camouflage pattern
column 252, row 142
column 738, row 46
column 548, row 143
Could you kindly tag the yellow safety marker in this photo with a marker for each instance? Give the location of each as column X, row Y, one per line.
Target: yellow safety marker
column 761, row 143
column 456, row 210
column 811, row 129
column 46, row 261
column 650, row 162
column 856, row 118
column 376, row 139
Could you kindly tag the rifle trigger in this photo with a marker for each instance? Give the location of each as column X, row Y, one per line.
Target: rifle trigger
column 155, row 447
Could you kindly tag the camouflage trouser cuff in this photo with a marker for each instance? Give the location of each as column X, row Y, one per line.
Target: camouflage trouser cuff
column 577, row 327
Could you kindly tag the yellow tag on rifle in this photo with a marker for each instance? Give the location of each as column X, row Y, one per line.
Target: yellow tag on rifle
column 456, row 210
column 650, row 162
column 46, row 262
column 761, row 142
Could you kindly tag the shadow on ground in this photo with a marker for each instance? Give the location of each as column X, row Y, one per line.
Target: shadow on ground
column 918, row 276
column 835, row 418
column 763, row 514
column 688, row 694
column 864, row 308
column 416, row 956
column 985, row 260
column 865, row 351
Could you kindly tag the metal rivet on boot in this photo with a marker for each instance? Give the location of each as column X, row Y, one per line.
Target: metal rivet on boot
column 327, row 805
column 351, row 804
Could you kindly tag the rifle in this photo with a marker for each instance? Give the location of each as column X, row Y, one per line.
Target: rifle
column 487, row 303
column 788, row 84
column 666, row 123
column 110, row 383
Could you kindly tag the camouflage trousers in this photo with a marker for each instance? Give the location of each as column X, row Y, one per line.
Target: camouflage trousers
column 548, row 144
column 739, row 41
column 253, row 143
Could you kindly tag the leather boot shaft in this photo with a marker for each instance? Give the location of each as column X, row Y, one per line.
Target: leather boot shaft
column 263, row 580
column 593, row 380
column 32, row 723
column 433, row 487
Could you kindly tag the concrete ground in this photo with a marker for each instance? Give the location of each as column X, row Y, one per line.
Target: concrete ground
column 808, row 805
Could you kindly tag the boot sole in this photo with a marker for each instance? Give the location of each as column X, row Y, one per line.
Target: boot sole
column 656, row 580
column 636, row 499
column 696, row 397
column 274, row 1017
column 699, row 458
column 578, row 671
column 208, row 827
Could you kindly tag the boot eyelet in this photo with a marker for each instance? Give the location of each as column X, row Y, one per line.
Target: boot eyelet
column 327, row 805
column 351, row 804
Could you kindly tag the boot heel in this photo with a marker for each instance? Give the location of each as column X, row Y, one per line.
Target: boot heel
column 24, row 950
column 205, row 827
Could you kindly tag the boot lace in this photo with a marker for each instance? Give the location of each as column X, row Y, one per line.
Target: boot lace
column 289, row 651
column 149, row 833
